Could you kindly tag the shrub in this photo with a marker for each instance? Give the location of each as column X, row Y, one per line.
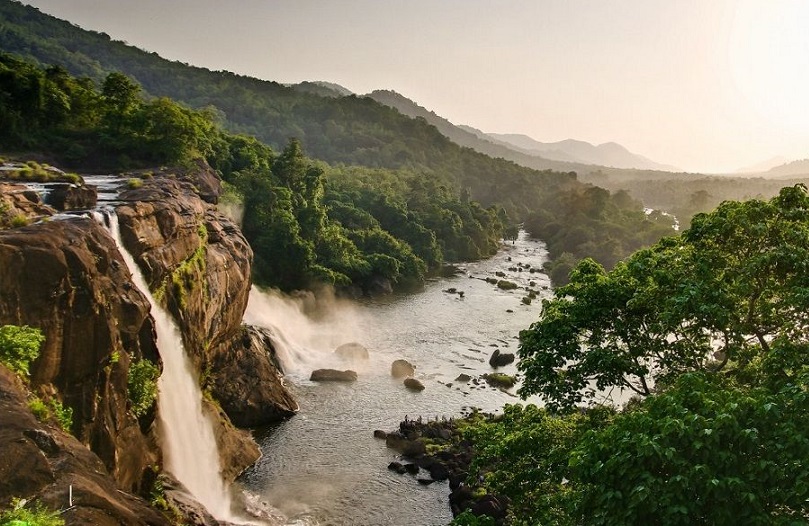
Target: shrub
column 142, row 386
column 134, row 183
column 18, row 221
column 63, row 414
column 19, row 346
column 38, row 516
column 40, row 410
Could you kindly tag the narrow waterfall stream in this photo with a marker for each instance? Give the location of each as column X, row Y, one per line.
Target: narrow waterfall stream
column 187, row 437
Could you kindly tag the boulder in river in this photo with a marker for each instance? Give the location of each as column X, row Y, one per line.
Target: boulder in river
column 67, row 196
column 499, row 359
column 463, row 378
column 413, row 384
column 402, row 369
column 333, row 375
column 352, row 352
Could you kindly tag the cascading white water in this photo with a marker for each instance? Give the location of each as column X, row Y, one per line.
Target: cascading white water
column 188, row 443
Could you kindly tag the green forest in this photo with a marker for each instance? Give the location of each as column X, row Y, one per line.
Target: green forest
column 707, row 332
column 347, row 133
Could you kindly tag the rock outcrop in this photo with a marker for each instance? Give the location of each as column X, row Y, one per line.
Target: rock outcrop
column 352, row 352
column 68, row 279
column 68, row 196
column 333, row 375
column 42, row 461
column 402, row 369
column 499, row 359
column 19, row 203
column 247, row 381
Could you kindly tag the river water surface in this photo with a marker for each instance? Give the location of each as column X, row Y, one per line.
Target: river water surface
column 323, row 466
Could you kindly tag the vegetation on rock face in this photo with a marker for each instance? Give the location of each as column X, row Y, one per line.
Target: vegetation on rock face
column 52, row 409
column 36, row 515
column 19, row 346
column 142, row 386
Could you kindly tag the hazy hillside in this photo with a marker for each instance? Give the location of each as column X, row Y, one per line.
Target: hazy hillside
column 323, row 89
column 462, row 136
column 800, row 167
column 339, row 130
column 607, row 154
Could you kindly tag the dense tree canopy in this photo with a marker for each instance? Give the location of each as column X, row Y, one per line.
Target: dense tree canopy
column 721, row 295
column 709, row 331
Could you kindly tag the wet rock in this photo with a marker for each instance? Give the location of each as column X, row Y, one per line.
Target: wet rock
column 409, row 448
column 352, row 352
column 413, row 384
column 411, row 468
column 425, row 482
column 398, row 467
column 499, row 359
column 378, row 433
column 66, row 196
column 333, row 375
column 17, row 201
column 463, row 378
column 248, row 384
column 402, row 369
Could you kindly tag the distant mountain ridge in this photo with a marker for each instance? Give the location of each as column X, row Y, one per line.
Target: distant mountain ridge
column 799, row 167
column 565, row 155
column 571, row 150
column 322, row 88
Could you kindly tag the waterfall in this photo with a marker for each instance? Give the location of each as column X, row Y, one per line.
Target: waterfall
column 187, row 437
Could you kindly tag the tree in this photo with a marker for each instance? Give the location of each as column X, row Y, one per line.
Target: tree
column 19, row 346
column 716, row 297
column 706, row 451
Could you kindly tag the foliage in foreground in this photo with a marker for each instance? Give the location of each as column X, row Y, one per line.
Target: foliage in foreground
column 715, row 298
column 19, row 346
column 709, row 331
column 19, row 515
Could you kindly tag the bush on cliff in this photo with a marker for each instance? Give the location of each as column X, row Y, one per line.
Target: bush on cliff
column 18, row 515
column 142, row 386
column 19, row 346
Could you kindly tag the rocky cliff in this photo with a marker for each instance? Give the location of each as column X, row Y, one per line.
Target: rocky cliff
column 67, row 278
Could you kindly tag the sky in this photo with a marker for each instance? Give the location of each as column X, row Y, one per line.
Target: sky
column 707, row 86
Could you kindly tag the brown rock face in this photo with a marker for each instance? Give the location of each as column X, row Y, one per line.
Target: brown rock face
column 16, row 200
column 248, row 384
column 42, row 461
column 198, row 262
column 67, row 196
column 67, row 278
column 195, row 259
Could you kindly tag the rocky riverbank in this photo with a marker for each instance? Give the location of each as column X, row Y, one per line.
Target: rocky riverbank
column 434, row 451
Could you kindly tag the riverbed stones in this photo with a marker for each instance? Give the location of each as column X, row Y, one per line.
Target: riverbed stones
column 413, row 384
column 499, row 359
column 333, row 375
column 352, row 352
column 402, row 369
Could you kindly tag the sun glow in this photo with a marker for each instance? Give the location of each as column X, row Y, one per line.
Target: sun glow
column 769, row 58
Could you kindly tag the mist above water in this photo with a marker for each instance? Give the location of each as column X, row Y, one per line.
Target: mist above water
column 323, row 465
column 306, row 328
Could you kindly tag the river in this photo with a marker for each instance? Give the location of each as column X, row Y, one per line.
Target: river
column 323, row 466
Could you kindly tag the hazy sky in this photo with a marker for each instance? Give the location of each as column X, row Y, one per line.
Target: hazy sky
column 703, row 85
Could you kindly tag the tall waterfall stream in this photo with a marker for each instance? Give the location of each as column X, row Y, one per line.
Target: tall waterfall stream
column 187, row 437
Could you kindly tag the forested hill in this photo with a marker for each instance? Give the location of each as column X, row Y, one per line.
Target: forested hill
column 575, row 219
column 470, row 140
column 349, row 130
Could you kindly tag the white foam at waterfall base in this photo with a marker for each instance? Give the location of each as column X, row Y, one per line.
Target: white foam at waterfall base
column 305, row 329
column 187, row 437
